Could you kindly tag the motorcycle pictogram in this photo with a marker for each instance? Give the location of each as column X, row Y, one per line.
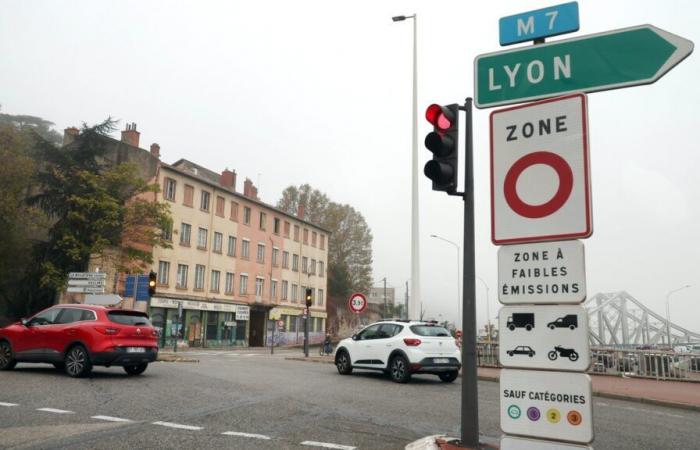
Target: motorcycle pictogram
column 563, row 352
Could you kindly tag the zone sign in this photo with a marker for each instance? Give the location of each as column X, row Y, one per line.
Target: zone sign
column 357, row 302
column 540, row 174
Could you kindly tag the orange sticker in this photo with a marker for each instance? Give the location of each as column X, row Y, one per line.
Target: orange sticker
column 574, row 418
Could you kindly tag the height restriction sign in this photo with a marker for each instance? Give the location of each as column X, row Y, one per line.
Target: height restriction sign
column 540, row 176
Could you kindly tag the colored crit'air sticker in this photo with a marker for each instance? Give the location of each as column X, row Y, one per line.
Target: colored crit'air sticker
column 533, row 413
column 553, row 415
column 574, row 418
column 513, row 412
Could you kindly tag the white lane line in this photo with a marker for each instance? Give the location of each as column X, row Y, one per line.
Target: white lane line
column 327, row 445
column 55, row 411
column 178, row 426
column 111, row 419
column 248, row 435
column 7, row 404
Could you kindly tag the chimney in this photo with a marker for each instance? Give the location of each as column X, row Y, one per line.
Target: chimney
column 130, row 135
column 69, row 135
column 300, row 211
column 228, row 179
column 155, row 150
column 247, row 187
column 254, row 192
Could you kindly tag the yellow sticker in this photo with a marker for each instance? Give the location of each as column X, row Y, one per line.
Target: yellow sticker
column 553, row 415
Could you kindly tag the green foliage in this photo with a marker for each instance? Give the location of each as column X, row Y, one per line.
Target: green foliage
column 40, row 126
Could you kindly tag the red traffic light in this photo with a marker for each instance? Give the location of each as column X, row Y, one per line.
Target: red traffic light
column 439, row 117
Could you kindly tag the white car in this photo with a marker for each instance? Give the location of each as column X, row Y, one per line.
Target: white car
column 401, row 348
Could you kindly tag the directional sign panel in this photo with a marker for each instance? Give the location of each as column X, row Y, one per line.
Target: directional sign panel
column 544, row 272
column 597, row 62
column 87, row 275
column 80, row 282
column 518, row 443
column 540, row 189
column 551, row 337
column 550, row 405
column 541, row 23
column 86, row 289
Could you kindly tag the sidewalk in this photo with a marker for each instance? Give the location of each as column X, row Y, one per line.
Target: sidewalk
column 675, row 394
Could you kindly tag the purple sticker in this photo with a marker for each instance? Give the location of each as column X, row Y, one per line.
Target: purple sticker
column 533, row 414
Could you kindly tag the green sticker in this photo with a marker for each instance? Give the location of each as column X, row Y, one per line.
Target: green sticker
column 514, row 412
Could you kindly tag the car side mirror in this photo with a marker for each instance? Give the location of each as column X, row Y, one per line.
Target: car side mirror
column 355, row 337
column 25, row 322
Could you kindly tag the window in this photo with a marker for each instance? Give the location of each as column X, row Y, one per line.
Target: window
column 218, row 242
column 321, row 271
column 323, row 242
column 275, row 256
column 215, row 277
column 276, row 227
column 263, row 216
column 231, row 246
column 199, row 276
column 294, row 293
column 285, row 289
column 185, row 231
column 261, row 253
column 45, row 318
column 429, row 330
column 259, row 286
column 304, row 264
column 306, row 236
column 285, row 260
column 134, row 318
column 296, row 233
column 313, row 238
column 245, row 249
column 287, row 227
column 273, row 289
column 234, row 211
column 319, row 298
column 295, row 263
column 202, row 238
column 169, row 189
column 182, row 270
column 228, row 284
column 370, row 332
column 204, row 204
column 167, row 232
column 70, row 315
column 243, row 285
column 188, row 200
column 246, row 215
column 312, row 269
column 163, row 271
column 220, row 205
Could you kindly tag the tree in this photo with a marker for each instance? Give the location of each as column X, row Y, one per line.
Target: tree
column 42, row 127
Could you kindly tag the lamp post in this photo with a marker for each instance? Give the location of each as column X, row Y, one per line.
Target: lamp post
column 415, row 249
column 488, row 313
column 459, row 297
column 668, row 313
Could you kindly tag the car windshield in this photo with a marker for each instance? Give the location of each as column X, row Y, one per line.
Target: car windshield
column 129, row 318
column 429, row 330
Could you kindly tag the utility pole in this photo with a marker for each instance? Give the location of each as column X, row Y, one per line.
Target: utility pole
column 385, row 307
column 406, row 312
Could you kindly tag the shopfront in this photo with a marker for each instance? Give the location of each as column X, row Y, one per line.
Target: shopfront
column 292, row 332
column 202, row 324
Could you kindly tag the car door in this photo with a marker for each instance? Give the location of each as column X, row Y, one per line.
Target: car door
column 61, row 333
column 363, row 343
column 32, row 345
column 385, row 343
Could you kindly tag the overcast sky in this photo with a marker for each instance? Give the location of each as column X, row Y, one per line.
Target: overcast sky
column 319, row 92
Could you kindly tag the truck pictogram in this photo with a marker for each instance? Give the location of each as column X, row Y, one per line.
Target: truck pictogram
column 521, row 320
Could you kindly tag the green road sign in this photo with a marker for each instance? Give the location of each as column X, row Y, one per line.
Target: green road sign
column 597, row 62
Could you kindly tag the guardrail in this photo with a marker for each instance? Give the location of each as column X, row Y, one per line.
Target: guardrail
column 660, row 365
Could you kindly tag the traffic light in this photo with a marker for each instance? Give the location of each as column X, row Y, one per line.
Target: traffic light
column 152, row 283
column 442, row 141
column 309, row 296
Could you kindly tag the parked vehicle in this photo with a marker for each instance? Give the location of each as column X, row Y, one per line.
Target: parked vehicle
column 569, row 321
column 400, row 349
column 74, row 338
column 522, row 350
column 563, row 352
column 521, row 320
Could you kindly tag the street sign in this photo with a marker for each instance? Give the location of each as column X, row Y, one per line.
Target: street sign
column 280, row 324
column 597, row 62
column 79, row 282
column 138, row 282
column 87, row 275
column 551, row 405
column 357, row 302
column 551, row 337
column 540, row 188
column 517, row 443
column 541, row 23
column 86, row 289
column 544, row 272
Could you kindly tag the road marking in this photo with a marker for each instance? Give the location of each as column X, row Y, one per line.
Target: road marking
column 249, row 435
column 55, row 411
column 178, row 426
column 111, row 419
column 327, row 445
column 7, row 404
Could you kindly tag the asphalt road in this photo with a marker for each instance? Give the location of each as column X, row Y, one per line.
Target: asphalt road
column 250, row 400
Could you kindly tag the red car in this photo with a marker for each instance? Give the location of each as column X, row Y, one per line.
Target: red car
column 75, row 338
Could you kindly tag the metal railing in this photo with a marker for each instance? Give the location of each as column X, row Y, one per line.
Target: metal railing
column 656, row 364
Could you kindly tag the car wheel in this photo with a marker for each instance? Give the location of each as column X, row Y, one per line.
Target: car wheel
column 571, row 327
column 448, row 377
column 398, row 369
column 6, row 361
column 136, row 369
column 77, row 362
column 510, row 353
column 60, row 366
column 531, row 354
column 551, row 327
column 342, row 362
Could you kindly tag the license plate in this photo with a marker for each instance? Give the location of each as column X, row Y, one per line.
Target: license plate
column 135, row 350
column 441, row 360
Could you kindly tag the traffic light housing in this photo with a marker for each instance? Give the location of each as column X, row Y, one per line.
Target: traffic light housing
column 443, row 143
column 309, row 296
column 152, row 280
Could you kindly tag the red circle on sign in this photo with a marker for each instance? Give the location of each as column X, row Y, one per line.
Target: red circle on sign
column 566, row 184
column 357, row 302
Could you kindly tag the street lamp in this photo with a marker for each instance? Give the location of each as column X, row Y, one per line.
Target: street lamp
column 488, row 314
column 459, row 297
column 415, row 257
column 668, row 313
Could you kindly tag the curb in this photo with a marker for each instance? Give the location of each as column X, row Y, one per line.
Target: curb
column 173, row 358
